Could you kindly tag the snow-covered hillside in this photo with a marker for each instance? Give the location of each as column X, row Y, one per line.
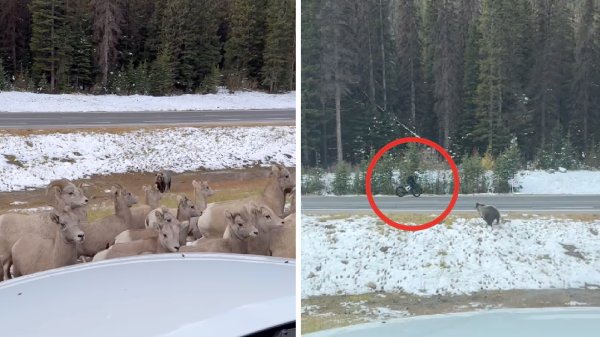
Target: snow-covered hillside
column 35, row 160
column 12, row 101
column 361, row 254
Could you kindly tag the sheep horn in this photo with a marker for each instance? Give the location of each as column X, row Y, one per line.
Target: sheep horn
column 62, row 183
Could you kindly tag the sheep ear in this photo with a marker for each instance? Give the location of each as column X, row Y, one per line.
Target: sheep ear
column 180, row 198
column 145, row 188
column 54, row 217
column 275, row 168
column 159, row 215
column 228, row 215
column 195, row 184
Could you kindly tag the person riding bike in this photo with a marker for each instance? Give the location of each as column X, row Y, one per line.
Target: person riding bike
column 412, row 187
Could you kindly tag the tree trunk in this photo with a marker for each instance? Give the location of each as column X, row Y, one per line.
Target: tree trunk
column 383, row 81
column 371, row 75
column 413, row 105
column 53, row 44
column 338, row 121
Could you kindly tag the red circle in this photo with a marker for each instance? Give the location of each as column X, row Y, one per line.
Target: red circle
column 439, row 149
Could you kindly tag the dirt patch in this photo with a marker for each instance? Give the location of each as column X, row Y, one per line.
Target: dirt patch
column 11, row 159
column 227, row 184
column 326, row 312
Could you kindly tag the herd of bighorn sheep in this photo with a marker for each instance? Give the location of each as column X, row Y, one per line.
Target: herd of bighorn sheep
column 63, row 236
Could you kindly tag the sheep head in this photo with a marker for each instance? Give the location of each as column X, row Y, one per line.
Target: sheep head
column 263, row 216
column 240, row 224
column 168, row 231
column 202, row 188
column 186, row 208
column 68, row 224
column 66, row 194
column 283, row 177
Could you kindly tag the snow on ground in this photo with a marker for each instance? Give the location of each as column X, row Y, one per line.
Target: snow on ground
column 570, row 182
column 13, row 101
column 35, row 160
column 361, row 255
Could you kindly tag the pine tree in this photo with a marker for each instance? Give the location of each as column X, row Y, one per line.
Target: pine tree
column 507, row 166
column 551, row 62
column 161, row 74
column 501, row 100
column 341, row 180
column 81, row 74
column 278, row 69
column 49, row 42
column 586, row 76
column 4, row 83
column 211, row 83
column 245, row 44
column 190, row 30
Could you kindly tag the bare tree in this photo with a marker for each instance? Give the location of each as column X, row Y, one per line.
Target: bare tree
column 108, row 17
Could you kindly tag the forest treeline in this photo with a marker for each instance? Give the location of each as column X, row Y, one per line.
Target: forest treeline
column 156, row 47
column 473, row 75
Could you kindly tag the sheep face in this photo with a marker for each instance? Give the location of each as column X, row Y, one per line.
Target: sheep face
column 265, row 217
column 129, row 198
column 202, row 188
column 240, row 225
column 168, row 231
column 68, row 223
column 283, row 177
column 187, row 208
column 66, row 194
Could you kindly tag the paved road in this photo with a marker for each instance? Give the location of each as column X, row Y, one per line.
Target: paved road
column 505, row 203
column 86, row 119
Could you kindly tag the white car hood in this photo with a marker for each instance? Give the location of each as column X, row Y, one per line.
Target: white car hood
column 152, row 295
column 547, row 322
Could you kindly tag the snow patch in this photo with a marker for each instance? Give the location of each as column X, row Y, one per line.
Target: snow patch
column 39, row 159
column 364, row 255
column 13, row 101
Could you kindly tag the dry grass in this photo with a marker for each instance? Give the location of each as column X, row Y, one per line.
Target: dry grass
column 126, row 129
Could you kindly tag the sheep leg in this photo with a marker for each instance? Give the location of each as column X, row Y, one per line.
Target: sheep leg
column 6, row 269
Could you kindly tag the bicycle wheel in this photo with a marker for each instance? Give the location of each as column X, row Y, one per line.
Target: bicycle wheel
column 400, row 191
column 416, row 191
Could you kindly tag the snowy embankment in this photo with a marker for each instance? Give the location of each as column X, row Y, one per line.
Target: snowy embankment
column 13, row 101
column 364, row 255
column 570, row 182
column 35, row 160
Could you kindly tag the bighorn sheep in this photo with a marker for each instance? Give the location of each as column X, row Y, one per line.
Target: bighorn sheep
column 283, row 239
column 152, row 200
column 33, row 253
column 101, row 233
column 212, row 223
column 241, row 229
column 292, row 195
column 14, row 226
column 166, row 241
column 186, row 209
column 163, row 180
column 265, row 221
column 202, row 191
column 139, row 234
